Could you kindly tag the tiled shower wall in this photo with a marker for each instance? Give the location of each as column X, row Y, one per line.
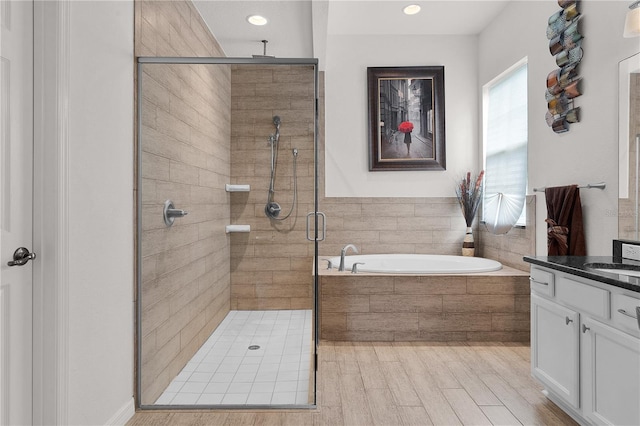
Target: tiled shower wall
column 627, row 206
column 185, row 158
column 271, row 265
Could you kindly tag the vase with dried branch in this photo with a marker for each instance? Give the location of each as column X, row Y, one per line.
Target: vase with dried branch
column 469, row 193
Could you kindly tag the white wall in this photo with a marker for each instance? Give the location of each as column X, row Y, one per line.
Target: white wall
column 588, row 152
column 346, row 154
column 100, row 195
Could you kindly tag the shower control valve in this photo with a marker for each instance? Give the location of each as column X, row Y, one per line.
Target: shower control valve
column 272, row 209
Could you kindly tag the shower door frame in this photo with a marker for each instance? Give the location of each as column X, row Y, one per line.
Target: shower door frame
column 140, row 62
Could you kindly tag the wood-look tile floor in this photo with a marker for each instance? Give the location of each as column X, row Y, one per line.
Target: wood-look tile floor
column 405, row 384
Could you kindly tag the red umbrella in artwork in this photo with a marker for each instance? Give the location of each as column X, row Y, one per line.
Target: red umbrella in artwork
column 406, row 127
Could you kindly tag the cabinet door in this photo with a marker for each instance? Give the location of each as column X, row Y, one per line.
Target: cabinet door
column 610, row 374
column 554, row 348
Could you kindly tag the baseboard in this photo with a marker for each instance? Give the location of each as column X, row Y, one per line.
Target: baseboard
column 123, row 415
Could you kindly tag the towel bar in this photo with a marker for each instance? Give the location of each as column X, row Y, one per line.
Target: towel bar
column 600, row 185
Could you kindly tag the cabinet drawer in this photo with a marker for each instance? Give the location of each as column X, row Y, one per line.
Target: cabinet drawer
column 623, row 313
column 542, row 281
column 587, row 299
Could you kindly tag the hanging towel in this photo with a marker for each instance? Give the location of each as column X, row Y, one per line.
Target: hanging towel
column 565, row 233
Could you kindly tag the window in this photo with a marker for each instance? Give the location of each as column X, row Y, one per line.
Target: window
column 505, row 149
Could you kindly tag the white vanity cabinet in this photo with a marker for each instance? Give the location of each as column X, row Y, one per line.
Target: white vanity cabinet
column 585, row 346
column 555, row 345
column 610, row 374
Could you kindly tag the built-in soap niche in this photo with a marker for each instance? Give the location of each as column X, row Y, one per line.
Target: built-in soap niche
column 233, row 229
column 563, row 83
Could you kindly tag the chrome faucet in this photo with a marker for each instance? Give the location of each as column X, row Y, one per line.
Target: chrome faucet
column 343, row 253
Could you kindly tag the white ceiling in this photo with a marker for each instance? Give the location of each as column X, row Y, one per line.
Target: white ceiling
column 293, row 24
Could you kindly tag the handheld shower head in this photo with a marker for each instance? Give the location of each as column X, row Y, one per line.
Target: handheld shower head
column 276, row 121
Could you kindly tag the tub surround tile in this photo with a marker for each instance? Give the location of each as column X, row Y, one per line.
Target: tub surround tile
column 478, row 303
column 382, row 322
column 405, row 303
column 460, row 322
column 377, row 307
column 430, row 285
column 346, row 303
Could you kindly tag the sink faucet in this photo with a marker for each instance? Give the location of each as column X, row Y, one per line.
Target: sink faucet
column 343, row 254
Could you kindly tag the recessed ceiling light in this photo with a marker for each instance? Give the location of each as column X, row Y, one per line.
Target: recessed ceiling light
column 257, row 20
column 412, row 9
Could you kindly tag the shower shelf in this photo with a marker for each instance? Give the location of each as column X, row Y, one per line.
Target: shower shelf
column 237, row 188
column 237, row 228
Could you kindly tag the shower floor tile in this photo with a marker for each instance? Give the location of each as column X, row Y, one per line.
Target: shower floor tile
column 225, row 371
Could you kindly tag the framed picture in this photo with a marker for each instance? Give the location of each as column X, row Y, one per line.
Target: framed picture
column 406, row 118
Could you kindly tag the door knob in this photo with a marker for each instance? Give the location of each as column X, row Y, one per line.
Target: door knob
column 21, row 256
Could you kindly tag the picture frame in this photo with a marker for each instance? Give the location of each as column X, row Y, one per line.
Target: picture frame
column 406, row 118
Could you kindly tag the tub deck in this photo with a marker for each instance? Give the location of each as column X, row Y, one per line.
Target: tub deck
column 484, row 306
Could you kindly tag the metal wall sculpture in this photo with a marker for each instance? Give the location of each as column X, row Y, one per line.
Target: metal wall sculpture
column 563, row 83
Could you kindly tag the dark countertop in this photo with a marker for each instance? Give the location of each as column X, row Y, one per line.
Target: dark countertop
column 575, row 265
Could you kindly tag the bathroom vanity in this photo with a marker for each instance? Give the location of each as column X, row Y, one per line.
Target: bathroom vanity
column 585, row 337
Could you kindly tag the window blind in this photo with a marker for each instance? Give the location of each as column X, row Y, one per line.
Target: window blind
column 505, row 147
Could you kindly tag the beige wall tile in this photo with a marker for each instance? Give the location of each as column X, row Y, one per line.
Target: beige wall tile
column 523, row 303
column 346, row 285
column 463, row 322
column 503, row 285
column 498, row 336
column 478, row 303
column 430, row 285
column 405, row 303
column 510, row 322
column 334, row 321
column 345, row 303
column 375, row 322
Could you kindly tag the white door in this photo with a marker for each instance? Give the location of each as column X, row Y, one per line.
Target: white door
column 611, row 375
column 16, row 164
column 554, row 348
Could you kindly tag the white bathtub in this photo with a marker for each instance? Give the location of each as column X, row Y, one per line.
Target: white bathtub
column 417, row 264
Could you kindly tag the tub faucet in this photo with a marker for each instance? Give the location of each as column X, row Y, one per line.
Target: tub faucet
column 343, row 254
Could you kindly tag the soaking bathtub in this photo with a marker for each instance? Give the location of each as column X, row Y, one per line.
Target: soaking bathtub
column 400, row 298
column 417, row 264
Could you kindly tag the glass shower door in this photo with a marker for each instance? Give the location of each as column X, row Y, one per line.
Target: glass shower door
column 226, row 299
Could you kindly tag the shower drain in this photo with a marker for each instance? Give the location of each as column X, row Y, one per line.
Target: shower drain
column 254, row 347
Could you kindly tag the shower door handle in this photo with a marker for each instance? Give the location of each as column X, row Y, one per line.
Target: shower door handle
column 324, row 226
column 308, row 227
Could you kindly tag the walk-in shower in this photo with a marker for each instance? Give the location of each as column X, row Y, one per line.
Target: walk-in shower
column 226, row 319
column 272, row 209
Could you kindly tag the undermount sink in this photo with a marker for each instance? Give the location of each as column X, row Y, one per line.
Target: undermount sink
column 615, row 268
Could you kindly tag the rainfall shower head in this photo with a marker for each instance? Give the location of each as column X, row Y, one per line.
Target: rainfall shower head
column 264, row 50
